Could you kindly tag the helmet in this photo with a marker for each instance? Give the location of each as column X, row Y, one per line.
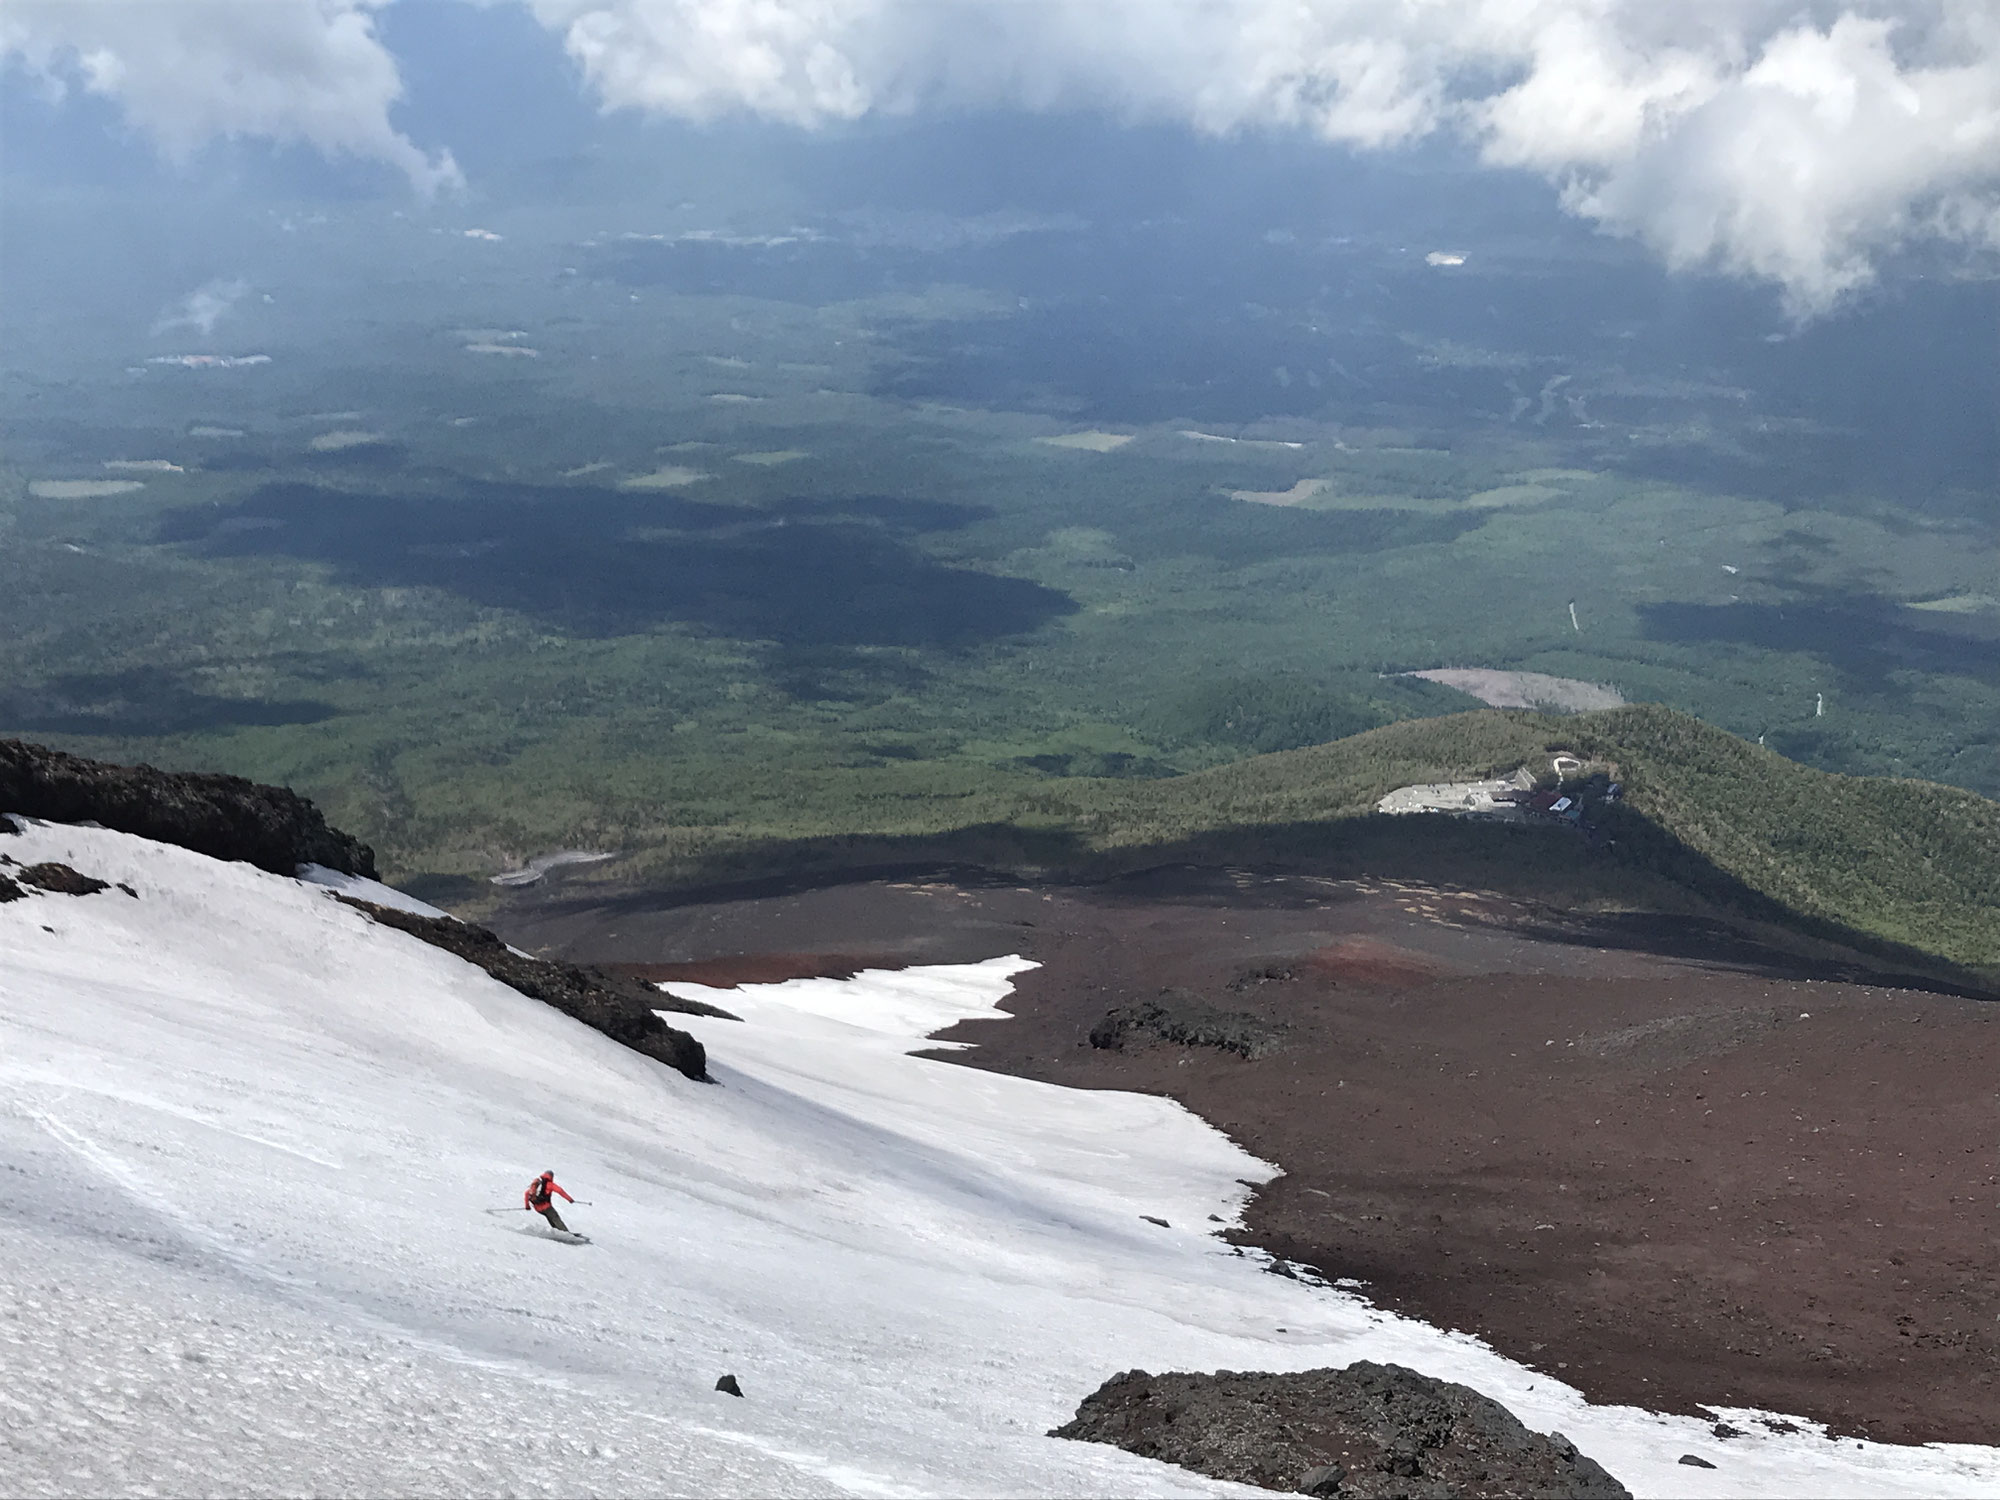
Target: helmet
column 549, row 1175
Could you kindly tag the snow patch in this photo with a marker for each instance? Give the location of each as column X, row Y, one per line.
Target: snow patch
column 361, row 888
column 899, row 1006
column 532, row 872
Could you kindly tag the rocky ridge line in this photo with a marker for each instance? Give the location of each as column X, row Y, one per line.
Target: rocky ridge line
column 224, row 817
column 623, row 1009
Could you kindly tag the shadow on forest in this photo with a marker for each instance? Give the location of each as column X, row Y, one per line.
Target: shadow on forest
column 145, row 701
column 820, row 572
column 1864, row 637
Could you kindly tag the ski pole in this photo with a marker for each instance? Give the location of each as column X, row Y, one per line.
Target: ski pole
column 517, row 1209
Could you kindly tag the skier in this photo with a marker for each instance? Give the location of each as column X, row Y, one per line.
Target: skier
column 537, row 1198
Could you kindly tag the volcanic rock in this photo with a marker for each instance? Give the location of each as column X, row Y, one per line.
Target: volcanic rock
column 225, row 817
column 1369, row 1431
column 62, row 880
column 1185, row 1019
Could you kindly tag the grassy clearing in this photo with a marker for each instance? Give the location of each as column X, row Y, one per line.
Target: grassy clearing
column 1959, row 604
column 342, row 439
column 82, row 489
column 672, row 477
column 1513, row 494
column 1092, row 441
column 1536, row 690
column 1302, row 493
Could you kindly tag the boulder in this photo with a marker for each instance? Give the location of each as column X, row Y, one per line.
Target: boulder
column 61, row 880
column 1369, row 1431
column 1186, row 1020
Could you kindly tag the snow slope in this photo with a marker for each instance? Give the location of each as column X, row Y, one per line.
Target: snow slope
column 247, row 1138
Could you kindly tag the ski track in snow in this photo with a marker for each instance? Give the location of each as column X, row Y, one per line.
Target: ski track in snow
column 247, row 1143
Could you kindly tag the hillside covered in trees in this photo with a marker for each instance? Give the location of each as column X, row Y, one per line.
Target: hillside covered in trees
column 1707, row 821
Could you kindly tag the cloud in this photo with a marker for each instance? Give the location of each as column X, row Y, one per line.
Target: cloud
column 1799, row 156
column 1799, row 142
column 188, row 72
column 202, row 308
column 1793, row 141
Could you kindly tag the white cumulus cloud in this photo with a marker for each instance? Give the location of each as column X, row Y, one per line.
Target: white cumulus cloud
column 204, row 307
column 1798, row 154
column 1796, row 141
column 188, row 72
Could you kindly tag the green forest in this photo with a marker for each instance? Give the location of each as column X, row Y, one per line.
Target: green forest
column 723, row 583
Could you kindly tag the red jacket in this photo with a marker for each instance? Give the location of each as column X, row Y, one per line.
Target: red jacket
column 537, row 1195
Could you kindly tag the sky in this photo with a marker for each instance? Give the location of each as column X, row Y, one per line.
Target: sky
column 1815, row 149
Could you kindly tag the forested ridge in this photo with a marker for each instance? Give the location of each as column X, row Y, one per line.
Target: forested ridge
column 1705, row 816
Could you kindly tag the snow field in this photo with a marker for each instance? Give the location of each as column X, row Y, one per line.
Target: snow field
column 248, row 1137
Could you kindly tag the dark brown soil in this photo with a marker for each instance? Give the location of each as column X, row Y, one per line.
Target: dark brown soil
column 759, row 968
column 1646, row 1154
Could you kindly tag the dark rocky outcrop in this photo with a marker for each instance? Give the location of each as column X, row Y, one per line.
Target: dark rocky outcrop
column 728, row 1386
column 1185, row 1019
column 623, row 1009
column 225, row 817
column 61, row 880
column 57, row 879
column 1369, row 1431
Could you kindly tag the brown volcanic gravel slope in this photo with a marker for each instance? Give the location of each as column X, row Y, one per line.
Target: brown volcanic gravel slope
column 1638, row 1154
